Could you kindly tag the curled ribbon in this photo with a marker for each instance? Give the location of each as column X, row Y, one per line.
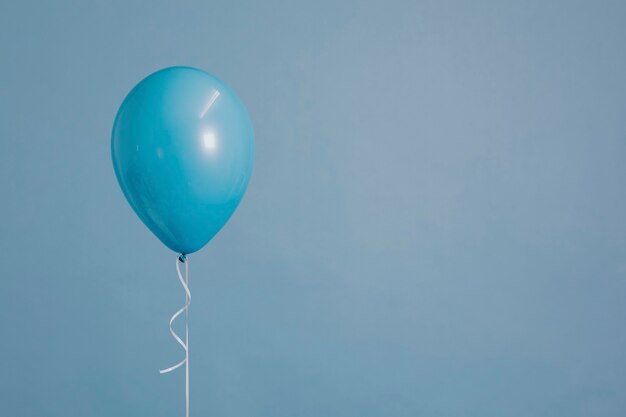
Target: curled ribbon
column 185, row 283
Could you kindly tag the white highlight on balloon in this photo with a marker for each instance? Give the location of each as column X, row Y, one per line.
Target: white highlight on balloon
column 212, row 99
column 209, row 141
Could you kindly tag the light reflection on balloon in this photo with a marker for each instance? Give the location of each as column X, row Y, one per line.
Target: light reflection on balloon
column 209, row 141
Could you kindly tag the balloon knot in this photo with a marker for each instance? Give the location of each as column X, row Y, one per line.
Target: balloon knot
column 182, row 258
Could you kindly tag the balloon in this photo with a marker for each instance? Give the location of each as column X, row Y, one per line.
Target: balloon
column 183, row 149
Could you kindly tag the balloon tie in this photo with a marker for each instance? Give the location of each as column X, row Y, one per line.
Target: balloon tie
column 182, row 259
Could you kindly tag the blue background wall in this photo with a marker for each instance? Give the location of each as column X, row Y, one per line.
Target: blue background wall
column 435, row 226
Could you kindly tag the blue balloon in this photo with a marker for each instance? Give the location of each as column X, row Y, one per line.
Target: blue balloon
column 183, row 150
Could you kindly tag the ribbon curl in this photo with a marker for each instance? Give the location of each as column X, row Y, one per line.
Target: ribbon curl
column 185, row 283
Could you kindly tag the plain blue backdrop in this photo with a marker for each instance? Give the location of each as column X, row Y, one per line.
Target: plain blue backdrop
column 435, row 225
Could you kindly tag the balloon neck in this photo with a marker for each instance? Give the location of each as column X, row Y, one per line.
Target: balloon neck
column 182, row 258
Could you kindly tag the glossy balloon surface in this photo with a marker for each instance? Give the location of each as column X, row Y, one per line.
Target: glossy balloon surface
column 183, row 150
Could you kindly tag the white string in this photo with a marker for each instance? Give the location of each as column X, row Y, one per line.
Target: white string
column 185, row 344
